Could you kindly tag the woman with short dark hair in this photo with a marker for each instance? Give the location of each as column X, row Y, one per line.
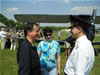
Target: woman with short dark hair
column 49, row 52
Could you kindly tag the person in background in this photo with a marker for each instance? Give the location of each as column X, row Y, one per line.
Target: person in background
column 49, row 52
column 3, row 38
column 8, row 43
column 81, row 59
column 69, row 44
column 20, row 40
column 19, row 33
column 27, row 57
column 13, row 41
column 22, row 34
column 0, row 41
column 59, row 34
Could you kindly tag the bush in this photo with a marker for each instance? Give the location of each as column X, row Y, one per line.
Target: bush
column 54, row 28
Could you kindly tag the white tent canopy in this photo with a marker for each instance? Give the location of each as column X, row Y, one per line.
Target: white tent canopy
column 2, row 24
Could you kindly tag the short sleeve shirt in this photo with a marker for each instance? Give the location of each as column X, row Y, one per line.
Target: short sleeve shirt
column 49, row 50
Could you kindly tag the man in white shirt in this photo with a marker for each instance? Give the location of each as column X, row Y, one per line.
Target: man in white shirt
column 81, row 60
column 3, row 38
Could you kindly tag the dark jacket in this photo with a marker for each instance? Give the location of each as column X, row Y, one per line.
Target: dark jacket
column 28, row 59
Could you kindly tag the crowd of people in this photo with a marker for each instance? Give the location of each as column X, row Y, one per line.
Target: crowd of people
column 8, row 38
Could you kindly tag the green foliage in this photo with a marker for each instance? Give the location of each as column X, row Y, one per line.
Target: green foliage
column 3, row 19
column 54, row 28
column 20, row 25
column 11, row 23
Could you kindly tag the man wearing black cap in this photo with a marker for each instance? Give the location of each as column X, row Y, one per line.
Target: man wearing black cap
column 81, row 60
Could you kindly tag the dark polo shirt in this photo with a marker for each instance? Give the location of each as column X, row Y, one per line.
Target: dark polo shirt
column 28, row 59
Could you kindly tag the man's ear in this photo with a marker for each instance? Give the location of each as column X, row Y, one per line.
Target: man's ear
column 28, row 33
column 78, row 27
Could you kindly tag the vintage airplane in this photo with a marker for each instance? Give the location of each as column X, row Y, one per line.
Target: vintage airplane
column 45, row 18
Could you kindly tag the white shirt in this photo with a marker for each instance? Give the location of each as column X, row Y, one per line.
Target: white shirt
column 3, row 34
column 81, row 60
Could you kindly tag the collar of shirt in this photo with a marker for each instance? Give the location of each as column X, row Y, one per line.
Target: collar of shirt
column 80, row 39
column 31, row 45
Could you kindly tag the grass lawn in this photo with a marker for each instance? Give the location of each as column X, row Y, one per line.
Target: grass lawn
column 8, row 62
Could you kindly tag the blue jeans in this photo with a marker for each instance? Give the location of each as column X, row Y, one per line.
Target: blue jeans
column 51, row 72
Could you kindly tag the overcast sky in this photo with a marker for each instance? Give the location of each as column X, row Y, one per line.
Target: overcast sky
column 64, row 7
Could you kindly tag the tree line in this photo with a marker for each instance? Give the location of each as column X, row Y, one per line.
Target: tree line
column 10, row 23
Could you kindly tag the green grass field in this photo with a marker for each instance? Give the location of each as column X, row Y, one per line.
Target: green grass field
column 8, row 62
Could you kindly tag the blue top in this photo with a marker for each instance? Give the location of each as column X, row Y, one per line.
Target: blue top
column 49, row 51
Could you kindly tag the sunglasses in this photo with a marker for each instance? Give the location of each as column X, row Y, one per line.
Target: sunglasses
column 49, row 35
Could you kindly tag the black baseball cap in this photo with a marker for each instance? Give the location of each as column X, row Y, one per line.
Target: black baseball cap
column 79, row 20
